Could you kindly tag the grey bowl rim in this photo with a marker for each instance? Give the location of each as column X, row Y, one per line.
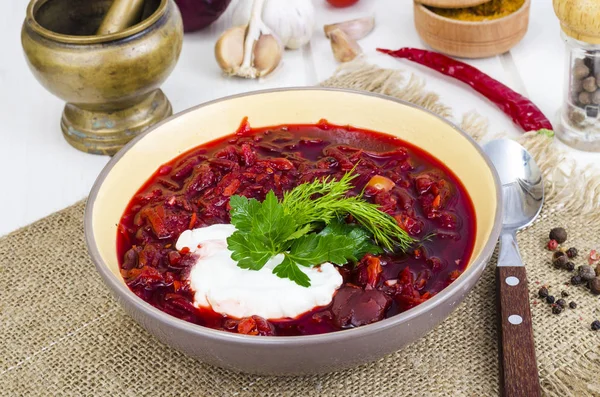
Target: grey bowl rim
column 123, row 292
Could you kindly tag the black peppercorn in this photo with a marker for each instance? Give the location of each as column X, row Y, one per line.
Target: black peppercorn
column 570, row 266
column 550, row 299
column 562, row 303
column 586, row 273
column 560, row 262
column 564, row 294
column 576, row 280
column 595, row 286
column 559, row 234
column 557, row 254
column 573, row 305
column 543, row 292
column 556, row 309
column 572, row 252
column 596, row 325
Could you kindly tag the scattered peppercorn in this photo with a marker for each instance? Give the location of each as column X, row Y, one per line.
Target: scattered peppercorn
column 562, row 303
column 550, row 299
column 572, row 252
column 570, row 266
column 557, row 255
column 576, row 280
column 564, row 294
column 586, row 273
column 598, row 270
column 595, row 286
column 552, row 245
column 573, row 305
column 560, row 262
column 595, row 325
column 543, row 292
column 556, row 309
column 559, row 234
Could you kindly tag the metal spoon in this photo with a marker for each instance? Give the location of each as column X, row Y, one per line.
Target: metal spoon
column 523, row 196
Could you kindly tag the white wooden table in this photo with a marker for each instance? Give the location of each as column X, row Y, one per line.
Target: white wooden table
column 41, row 173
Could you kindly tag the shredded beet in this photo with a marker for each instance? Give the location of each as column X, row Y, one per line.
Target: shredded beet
column 193, row 191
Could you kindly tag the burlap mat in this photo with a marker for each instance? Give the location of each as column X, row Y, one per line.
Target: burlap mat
column 61, row 333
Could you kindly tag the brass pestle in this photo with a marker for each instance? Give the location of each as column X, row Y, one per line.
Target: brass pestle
column 121, row 15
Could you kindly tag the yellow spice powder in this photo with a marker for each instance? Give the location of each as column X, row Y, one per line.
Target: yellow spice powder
column 491, row 10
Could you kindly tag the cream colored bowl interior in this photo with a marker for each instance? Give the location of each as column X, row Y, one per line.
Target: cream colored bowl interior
column 216, row 119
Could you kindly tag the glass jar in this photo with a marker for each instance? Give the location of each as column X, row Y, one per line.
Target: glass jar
column 580, row 114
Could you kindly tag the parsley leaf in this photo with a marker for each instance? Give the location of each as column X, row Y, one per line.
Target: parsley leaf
column 249, row 252
column 314, row 249
column 289, row 269
column 243, row 210
column 362, row 239
column 271, row 224
column 300, row 232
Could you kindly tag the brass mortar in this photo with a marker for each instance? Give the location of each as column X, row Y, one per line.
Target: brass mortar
column 110, row 82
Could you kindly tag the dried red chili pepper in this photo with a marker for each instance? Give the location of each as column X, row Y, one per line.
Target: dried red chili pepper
column 522, row 111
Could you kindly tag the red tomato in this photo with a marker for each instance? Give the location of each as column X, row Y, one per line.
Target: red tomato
column 342, row 3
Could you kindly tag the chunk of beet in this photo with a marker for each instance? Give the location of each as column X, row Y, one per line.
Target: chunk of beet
column 344, row 162
column 185, row 169
column 255, row 325
column 203, row 177
column 425, row 183
column 353, row 306
column 248, row 154
column 130, row 260
column 369, row 271
column 166, row 222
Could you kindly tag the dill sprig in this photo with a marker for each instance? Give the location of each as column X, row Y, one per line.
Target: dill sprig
column 327, row 199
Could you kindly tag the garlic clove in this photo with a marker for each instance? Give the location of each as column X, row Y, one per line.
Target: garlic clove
column 267, row 54
column 355, row 29
column 344, row 48
column 229, row 49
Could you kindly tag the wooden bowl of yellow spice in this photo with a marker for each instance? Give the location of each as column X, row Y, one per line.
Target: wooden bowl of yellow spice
column 472, row 28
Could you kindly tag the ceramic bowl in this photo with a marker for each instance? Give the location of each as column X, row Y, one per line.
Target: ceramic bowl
column 133, row 165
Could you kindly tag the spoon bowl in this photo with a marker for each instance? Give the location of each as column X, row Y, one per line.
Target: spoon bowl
column 522, row 182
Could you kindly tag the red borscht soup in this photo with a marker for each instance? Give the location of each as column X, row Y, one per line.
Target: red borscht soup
column 193, row 191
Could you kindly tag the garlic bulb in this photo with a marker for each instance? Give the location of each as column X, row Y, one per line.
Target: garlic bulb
column 292, row 21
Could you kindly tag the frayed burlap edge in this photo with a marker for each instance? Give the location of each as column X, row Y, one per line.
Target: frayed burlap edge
column 576, row 378
column 569, row 188
column 359, row 75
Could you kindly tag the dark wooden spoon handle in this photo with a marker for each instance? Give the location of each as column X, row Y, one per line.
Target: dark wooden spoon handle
column 518, row 366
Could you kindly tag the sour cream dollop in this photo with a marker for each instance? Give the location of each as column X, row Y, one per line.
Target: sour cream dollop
column 219, row 283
